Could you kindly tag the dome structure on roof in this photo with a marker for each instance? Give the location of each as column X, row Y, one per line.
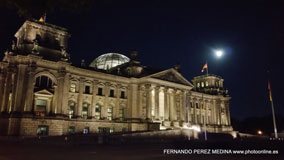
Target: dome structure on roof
column 109, row 60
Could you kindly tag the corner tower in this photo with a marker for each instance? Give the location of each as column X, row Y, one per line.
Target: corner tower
column 42, row 39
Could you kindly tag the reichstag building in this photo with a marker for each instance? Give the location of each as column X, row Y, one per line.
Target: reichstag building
column 42, row 93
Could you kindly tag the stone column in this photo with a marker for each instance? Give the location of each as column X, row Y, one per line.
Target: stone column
column 94, row 94
column 54, row 100
column 140, row 102
column 148, row 101
column 213, row 112
column 19, row 88
column 227, row 106
column 157, row 112
column 117, row 105
column 106, row 105
column 2, row 82
column 218, row 107
column 166, row 105
column 60, row 91
column 80, row 97
column 30, row 90
column 173, row 108
column 202, row 110
column 64, row 100
column 205, row 114
column 195, row 111
column 183, row 107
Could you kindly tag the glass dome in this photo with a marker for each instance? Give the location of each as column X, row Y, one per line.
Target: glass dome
column 109, row 60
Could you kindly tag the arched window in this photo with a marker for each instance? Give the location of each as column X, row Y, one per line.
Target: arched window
column 44, row 82
column 109, row 113
column 71, row 109
column 73, row 87
column 98, row 112
column 85, row 110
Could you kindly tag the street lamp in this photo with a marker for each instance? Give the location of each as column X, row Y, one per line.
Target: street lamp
column 259, row 132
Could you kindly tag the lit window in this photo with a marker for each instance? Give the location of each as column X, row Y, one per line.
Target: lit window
column 109, row 114
column 98, row 112
column 85, row 110
column 73, row 87
column 206, row 84
column 42, row 130
column 202, row 84
column 121, row 113
column 40, row 107
column 71, row 109
column 198, row 85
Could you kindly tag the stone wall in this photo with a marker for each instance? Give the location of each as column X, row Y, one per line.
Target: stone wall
column 57, row 127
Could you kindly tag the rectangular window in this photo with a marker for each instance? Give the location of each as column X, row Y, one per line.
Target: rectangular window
column 197, row 105
column 104, row 130
column 122, row 94
column 87, row 89
column 85, row 110
column 191, row 104
column 121, row 113
column 111, row 93
column 40, row 107
column 98, row 112
column 100, row 91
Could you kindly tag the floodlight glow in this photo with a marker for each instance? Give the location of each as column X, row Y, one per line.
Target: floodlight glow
column 195, row 128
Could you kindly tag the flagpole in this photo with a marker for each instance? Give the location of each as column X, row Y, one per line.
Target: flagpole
column 272, row 108
column 207, row 69
column 274, row 120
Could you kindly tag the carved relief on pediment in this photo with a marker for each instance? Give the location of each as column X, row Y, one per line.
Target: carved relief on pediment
column 171, row 77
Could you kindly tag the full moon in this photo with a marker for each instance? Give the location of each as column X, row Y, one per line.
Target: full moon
column 219, row 53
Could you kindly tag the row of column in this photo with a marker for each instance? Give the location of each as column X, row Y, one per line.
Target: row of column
column 216, row 113
column 173, row 105
column 104, row 104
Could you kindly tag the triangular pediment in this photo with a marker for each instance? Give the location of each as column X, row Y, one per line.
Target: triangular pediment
column 171, row 75
column 44, row 92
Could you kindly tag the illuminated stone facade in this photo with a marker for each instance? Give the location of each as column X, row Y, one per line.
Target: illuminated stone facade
column 41, row 92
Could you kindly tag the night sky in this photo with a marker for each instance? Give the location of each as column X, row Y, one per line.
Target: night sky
column 166, row 33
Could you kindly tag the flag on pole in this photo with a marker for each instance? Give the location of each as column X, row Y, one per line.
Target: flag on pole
column 204, row 67
column 43, row 18
column 269, row 92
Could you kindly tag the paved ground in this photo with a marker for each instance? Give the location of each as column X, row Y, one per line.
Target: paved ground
column 58, row 149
